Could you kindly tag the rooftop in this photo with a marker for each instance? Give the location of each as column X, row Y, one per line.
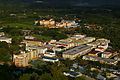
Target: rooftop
column 77, row 49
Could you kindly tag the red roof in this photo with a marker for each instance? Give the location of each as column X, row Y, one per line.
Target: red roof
column 59, row 44
column 37, row 40
column 100, row 48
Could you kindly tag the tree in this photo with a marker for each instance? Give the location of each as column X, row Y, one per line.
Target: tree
column 45, row 76
column 25, row 77
column 4, row 55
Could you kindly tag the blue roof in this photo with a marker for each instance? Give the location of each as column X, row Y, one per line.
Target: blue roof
column 49, row 58
column 72, row 68
column 72, row 73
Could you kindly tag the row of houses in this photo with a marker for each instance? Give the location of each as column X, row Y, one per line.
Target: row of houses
column 53, row 24
column 100, row 59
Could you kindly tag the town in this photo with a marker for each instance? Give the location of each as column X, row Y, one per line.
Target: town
column 77, row 45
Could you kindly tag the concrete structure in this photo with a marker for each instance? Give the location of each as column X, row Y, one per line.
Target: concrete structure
column 2, row 34
column 72, row 74
column 98, row 42
column 101, row 60
column 29, row 37
column 47, row 22
column 117, row 58
column 107, row 54
column 94, row 53
column 49, row 59
column 50, row 53
column 40, row 50
column 63, row 24
column 77, row 51
column 21, row 59
column 8, row 40
column 83, row 41
column 32, row 42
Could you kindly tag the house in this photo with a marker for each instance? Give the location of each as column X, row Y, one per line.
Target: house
column 102, row 47
column 72, row 74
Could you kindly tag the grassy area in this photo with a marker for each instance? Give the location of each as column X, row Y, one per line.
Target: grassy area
column 19, row 25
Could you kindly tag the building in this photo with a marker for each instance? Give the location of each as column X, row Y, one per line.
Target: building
column 59, row 48
column 21, row 59
column 2, row 34
column 67, row 45
column 8, row 40
column 63, row 24
column 94, row 53
column 77, row 51
column 50, row 53
column 101, row 60
column 40, row 50
column 72, row 74
column 32, row 42
column 29, row 37
column 47, row 22
column 107, row 54
column 117, row 58
column 99, row 42
column 49, row 59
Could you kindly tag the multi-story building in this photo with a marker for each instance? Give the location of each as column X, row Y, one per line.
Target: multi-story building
column 39, row 50
column 47, row 22
column 21, row 59
column 32, row 42
column 77, row 51
column 99, row 42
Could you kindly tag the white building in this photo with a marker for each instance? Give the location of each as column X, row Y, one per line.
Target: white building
column 8, row 40
column 77, row 51
column 50, row 53
column 106, row 54
column 50, row 59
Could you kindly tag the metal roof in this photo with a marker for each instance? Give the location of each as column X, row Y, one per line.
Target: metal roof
column 77, row 49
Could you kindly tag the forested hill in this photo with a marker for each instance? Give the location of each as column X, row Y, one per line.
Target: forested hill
column 72, row 2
